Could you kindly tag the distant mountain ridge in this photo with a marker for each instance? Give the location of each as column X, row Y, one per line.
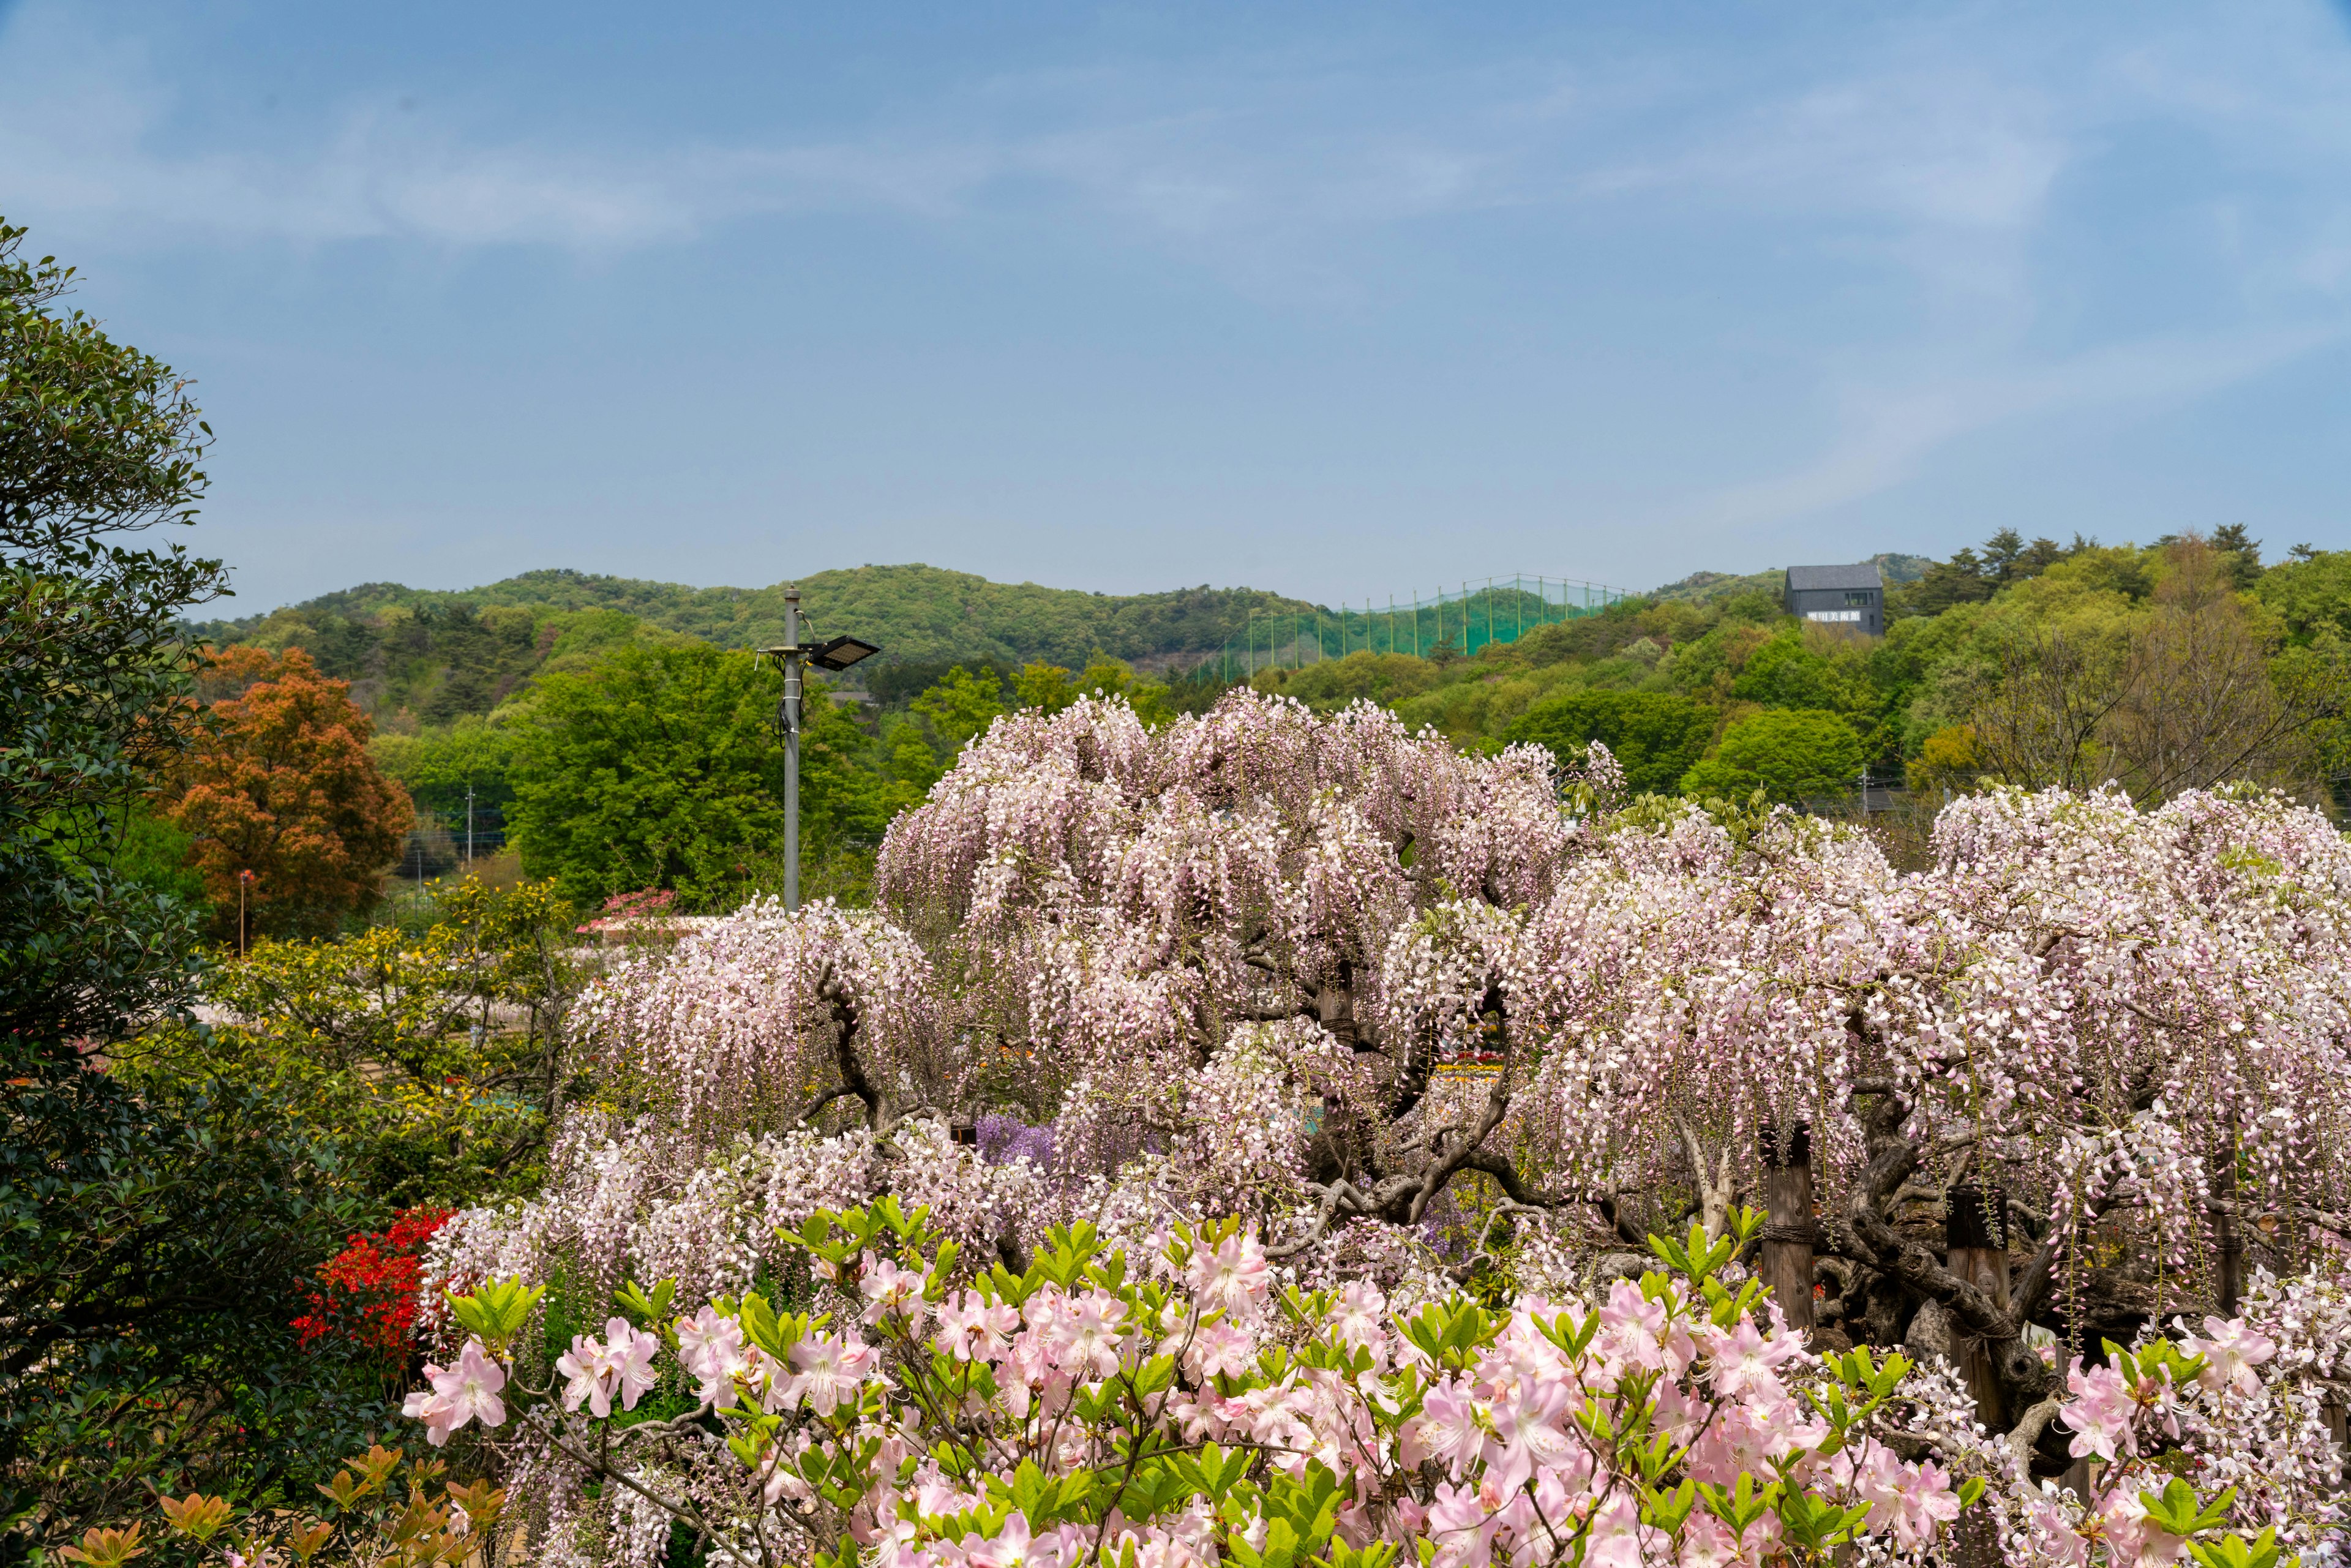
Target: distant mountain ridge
column 425, row 656
column 916, row 613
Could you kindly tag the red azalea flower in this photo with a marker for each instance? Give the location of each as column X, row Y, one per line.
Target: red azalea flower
column 369, row 1298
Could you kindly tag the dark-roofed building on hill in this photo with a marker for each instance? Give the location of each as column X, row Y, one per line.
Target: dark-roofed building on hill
column 1850, row 596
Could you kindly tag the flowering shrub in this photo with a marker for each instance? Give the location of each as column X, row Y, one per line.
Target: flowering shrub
column 1194, row 1411
column 1189, row 1410
column 622, row 909
column 2231, row 1409
column 369, row 1297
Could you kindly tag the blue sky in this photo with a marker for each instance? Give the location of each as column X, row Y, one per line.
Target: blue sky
column 1336, row 300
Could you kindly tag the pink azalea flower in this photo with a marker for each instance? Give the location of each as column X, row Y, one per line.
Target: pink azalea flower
column 1462, row 1525
column 1448, row 1427
column 621, row 1363
column 1360, row 1314
column 1088, row 1336
column 631, row 1360
column 459, row 1395
column 827, row 1369
column 710, row 1347
column 1925, row 1502
column 1618, row 1539
column 1008, row 1550
column 1232, row 1278
column 1525, row 1436
column 888, row 1288
column 1222, row 1350
column 1740, row 1359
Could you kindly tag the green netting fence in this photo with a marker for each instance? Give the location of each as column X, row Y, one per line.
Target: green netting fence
column 1464, row 619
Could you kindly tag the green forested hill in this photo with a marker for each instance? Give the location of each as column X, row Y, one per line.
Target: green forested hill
column 435, row 656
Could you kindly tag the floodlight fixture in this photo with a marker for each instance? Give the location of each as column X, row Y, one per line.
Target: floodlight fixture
column 840, row 653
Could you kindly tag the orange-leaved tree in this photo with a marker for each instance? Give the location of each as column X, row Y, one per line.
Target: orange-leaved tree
column 281, row 785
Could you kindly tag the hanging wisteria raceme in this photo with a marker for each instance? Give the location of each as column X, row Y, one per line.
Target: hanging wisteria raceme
column 1427, row 1018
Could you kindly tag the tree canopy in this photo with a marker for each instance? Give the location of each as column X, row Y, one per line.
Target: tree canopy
column 97, row 443
column 1790, row 754
column 151, row 1243
column 281, row 786
column 1655, row 736
column 660, row 767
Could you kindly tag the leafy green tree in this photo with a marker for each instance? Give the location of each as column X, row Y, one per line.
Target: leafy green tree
column 2243, row 553
column 437, row 767
column 1790, row 754
column 98, row 441
column 1790, row 671
column 1104, row 676
column 153, row 851
column 1656, row 737
column 1052, row 688
column 155, row 1247
column 1042, row 685
column 962, row 704
column 147, row 1241
column 438, row 1053
column 660, row 767
column 2311, row 593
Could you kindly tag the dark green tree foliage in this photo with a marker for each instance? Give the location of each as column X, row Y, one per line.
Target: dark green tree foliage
column 1784, row 673
column 1655, row 736
column 660, row 767
column 1971, row 577
column 97, row 441
column 145, row 1245
column 154, row 1251
column 2244, row 553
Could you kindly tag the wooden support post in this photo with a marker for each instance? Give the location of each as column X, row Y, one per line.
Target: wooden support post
column 1788, row 1232
column 1977, row 1231
column 2228, row 1245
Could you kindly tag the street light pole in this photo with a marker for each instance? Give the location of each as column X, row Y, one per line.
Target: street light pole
column 791, row 652
column 835, row 653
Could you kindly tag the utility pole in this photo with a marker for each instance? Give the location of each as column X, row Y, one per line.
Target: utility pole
column 469, row 826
